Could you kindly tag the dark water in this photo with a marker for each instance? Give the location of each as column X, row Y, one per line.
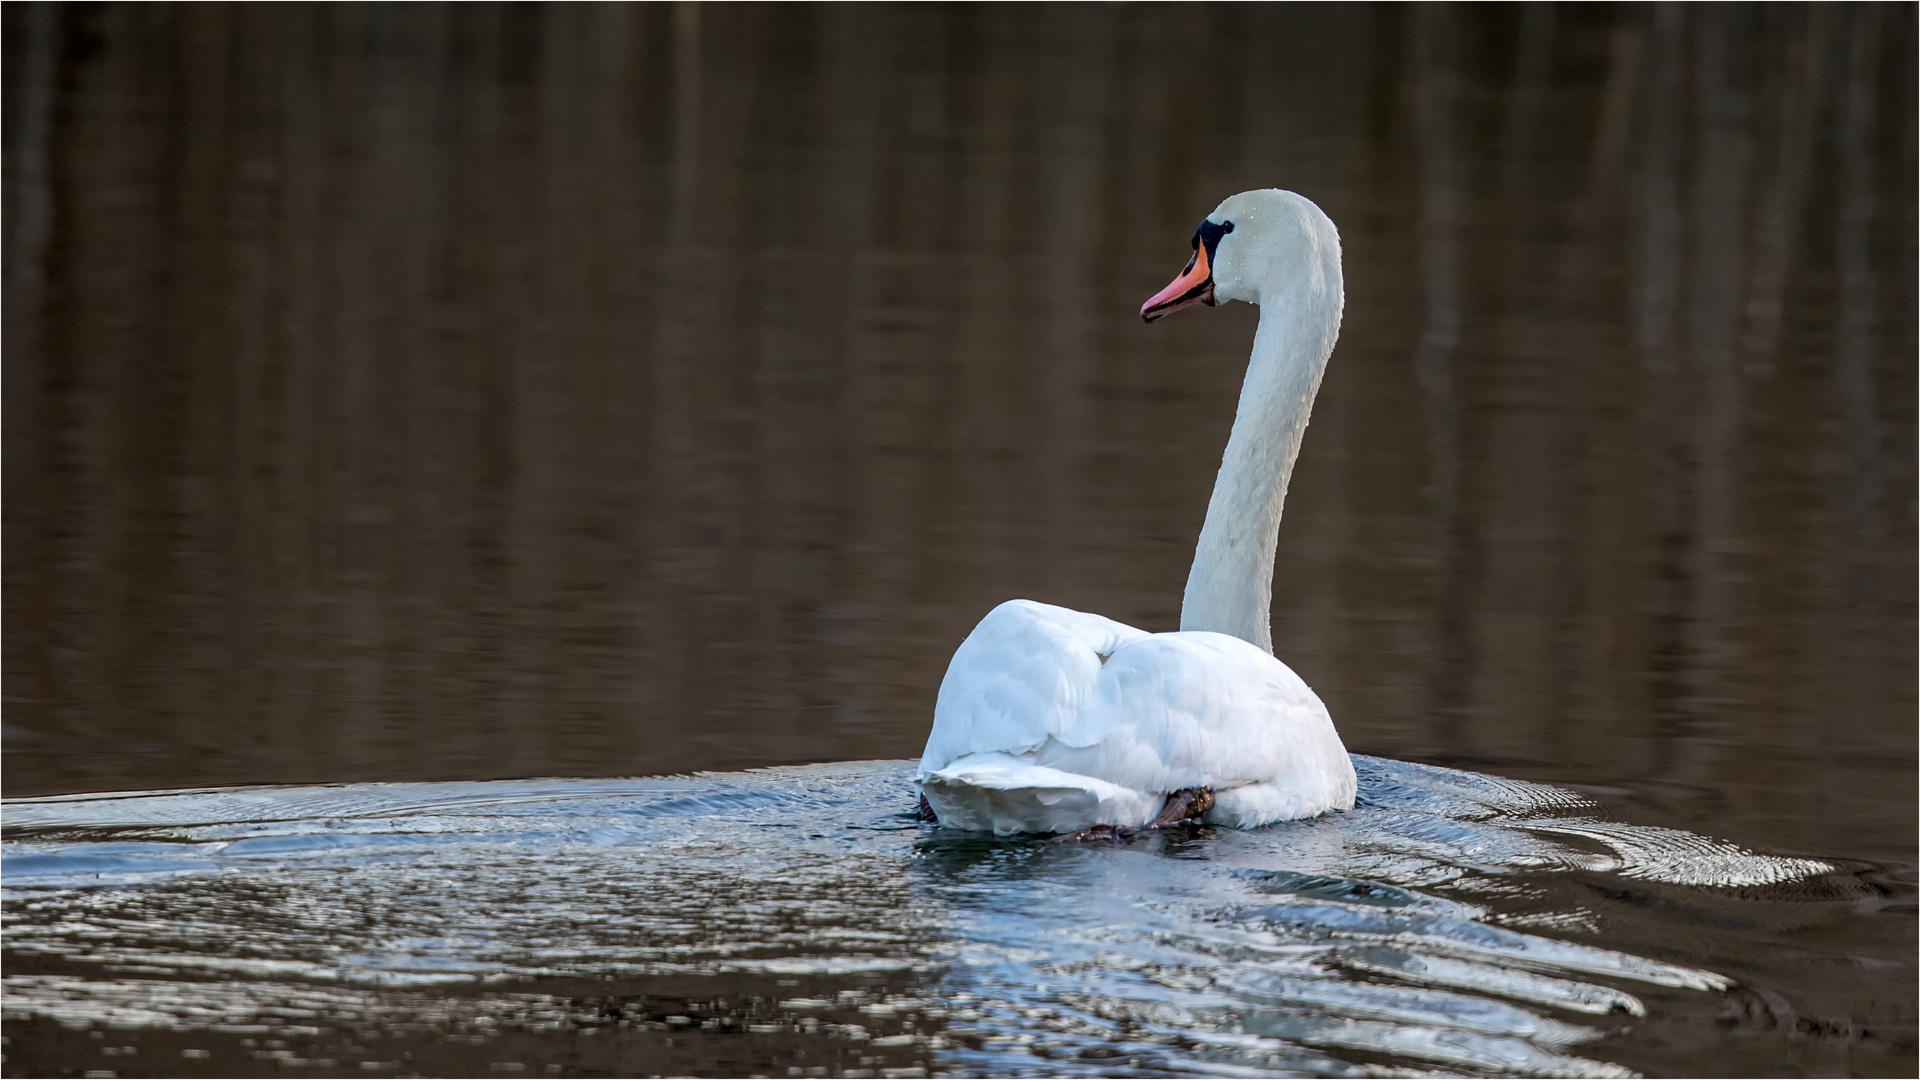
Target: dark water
column 417, row 394
column 777, row 921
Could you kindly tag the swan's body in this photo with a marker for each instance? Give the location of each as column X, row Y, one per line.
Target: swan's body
column 1051, row 720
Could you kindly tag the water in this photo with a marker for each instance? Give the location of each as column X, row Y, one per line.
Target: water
column 429, row 395
column 800, row 917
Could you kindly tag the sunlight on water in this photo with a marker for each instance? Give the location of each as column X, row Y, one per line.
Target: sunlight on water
column 1412, row 932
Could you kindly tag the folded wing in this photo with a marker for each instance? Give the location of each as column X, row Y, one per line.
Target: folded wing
column 1023, row 675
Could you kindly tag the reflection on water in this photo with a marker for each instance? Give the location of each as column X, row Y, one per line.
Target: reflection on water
column 416, row 393
column 1443, row 924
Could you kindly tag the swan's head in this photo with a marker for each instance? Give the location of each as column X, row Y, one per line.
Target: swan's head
column 1255, row 244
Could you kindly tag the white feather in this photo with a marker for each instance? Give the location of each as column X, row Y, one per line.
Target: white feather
column 1036, row 730
column 1051, row 720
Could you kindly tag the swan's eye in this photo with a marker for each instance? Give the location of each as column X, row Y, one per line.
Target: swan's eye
column 1209, row 234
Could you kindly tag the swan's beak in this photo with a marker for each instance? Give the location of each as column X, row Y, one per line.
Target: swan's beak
column 1193, row 286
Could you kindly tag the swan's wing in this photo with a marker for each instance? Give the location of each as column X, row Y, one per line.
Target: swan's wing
column 1198, row 709
column 1025, row 673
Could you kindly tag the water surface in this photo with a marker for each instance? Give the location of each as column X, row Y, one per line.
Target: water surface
column 794, row 919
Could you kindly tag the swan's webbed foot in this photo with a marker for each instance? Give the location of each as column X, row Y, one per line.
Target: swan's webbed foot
column 1099, row 834
column 1184, row 805
column 925, row 812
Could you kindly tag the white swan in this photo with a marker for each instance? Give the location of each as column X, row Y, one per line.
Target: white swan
column 1056, row 721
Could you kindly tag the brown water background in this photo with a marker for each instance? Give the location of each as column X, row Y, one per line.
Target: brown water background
column 425, row 392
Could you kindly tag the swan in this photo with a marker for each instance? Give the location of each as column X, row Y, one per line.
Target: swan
column 1051, row 720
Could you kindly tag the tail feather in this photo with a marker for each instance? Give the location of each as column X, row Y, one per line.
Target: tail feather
column 1006, row 794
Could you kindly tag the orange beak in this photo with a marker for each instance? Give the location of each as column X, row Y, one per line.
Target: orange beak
column 1193, row 286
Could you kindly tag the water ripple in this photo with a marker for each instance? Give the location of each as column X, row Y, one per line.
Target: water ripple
column 1401, row 937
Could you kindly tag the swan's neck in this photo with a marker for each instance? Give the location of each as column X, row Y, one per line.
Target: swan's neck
column 1230, row 588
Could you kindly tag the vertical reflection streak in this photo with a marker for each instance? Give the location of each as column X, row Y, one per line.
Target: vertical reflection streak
column 1075, row 94
column 1585, row 272
column 1660, row 187
column 794, row 300
column 686, row 120
column 674, row 511
column 858, row 61
column 1525, row 592
column 1853, row 373
column 1857, row 578
column 1439, row 227
column 1715, row 567
column 1781, row 207
column 32, row 399
column 1660, row 403
column 1454, row 660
